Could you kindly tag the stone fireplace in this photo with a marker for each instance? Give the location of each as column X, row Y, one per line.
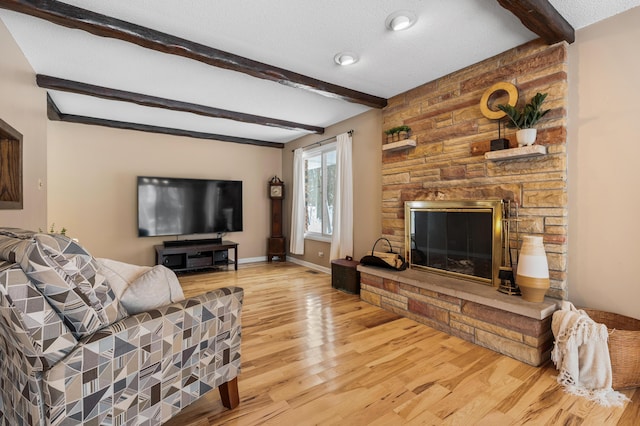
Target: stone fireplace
column 452, row 136
column 448, row 163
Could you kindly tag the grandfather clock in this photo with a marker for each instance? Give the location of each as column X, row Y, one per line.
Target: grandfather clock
column 276, row 246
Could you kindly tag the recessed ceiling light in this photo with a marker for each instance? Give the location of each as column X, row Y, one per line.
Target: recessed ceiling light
column 400, row 20
column 346, row 58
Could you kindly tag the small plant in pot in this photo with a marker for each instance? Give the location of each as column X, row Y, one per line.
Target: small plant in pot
column 525, row 118
column 389, row 134
column 404, row 131
column 397, row 133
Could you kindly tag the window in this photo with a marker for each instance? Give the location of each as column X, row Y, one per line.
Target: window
column 320, row 182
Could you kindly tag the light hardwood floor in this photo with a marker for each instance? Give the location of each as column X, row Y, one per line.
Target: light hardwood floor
column 315, row 355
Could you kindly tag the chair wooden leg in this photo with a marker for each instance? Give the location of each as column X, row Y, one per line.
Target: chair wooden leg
column 229, row 393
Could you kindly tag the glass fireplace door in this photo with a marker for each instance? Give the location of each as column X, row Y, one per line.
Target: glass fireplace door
column 456, row 240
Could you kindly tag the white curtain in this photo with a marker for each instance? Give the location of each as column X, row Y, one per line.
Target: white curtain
column 296, row 245
column 342, row 239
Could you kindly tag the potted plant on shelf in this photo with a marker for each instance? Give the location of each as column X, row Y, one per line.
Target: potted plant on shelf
column 397, row 133
column 389, row 133
column 524, row 119
column 404, row 131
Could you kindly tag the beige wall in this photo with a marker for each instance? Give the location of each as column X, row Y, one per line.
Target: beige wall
column 604, row 148
column 92, row 184
column 23, row 106
column 367, row 155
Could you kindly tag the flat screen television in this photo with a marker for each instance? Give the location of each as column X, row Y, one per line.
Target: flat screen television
column 174, row 206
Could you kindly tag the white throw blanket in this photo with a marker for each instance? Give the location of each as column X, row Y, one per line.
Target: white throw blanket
column 581, row 355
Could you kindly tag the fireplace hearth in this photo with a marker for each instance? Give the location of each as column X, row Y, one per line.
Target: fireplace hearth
column 476, row 313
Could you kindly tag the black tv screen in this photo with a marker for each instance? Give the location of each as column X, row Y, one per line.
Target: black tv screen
column 171, row 206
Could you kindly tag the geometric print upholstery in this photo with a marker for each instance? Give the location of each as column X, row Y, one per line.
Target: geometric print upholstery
column 21, row 234
column 20, row 392
column 141, row 370
column 44, row 339
column 9, row 247
column 21, row 356
column 147, row 367
column 68, row 277
column 17, row 233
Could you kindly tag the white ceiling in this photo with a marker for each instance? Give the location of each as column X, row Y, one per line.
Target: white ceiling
column 298, row 35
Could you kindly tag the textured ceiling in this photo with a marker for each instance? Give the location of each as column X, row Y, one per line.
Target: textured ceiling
column 299, row 35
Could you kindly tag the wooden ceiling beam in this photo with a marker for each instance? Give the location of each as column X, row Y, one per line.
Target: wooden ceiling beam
column 56, row 83
column 542, row 18
column 54, row 114
column 105, row 26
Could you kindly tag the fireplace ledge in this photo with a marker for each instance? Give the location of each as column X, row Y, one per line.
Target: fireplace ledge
column 515, row 153
column 467, row 290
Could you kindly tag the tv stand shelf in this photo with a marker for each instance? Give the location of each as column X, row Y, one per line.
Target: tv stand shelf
column 192, row 256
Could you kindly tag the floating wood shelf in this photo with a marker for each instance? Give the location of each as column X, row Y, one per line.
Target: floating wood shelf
column 396, row 146
column 513, row 153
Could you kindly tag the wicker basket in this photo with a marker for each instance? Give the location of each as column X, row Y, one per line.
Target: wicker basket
column 624, row 347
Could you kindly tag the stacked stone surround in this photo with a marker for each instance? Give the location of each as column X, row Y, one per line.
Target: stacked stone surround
column 448, row 163
column 452, row 136
column 478, row 314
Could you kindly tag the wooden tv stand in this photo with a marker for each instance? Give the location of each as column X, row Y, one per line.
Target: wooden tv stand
column 202, row 255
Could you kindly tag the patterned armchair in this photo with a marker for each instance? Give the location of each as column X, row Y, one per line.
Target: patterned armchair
column 70, row 354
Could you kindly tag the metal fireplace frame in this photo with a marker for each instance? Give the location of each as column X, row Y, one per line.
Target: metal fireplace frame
column 493, row 206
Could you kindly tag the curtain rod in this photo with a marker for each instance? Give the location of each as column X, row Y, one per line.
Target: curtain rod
column 323, row 140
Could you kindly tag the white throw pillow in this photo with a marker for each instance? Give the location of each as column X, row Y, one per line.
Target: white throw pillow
column 120, row 274
column 155, row 288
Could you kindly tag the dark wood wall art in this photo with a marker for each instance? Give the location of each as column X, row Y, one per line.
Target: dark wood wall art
column 10, row 167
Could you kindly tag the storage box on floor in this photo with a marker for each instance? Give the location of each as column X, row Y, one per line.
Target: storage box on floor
column 344, row 275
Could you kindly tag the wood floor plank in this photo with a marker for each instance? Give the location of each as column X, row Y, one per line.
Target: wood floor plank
column 419, row 406
column 631, row 414
column 315, row 355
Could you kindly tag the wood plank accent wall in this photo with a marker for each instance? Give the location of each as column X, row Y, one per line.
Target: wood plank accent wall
column 452, row 136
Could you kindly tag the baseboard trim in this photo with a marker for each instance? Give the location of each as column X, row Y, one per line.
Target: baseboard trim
column 309, row 265
column 252, row 259
column 291, row 259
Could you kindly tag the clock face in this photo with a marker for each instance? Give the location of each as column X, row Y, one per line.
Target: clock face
column 276, row 191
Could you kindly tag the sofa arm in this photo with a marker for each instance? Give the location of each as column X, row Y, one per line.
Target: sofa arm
column 172, row 355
